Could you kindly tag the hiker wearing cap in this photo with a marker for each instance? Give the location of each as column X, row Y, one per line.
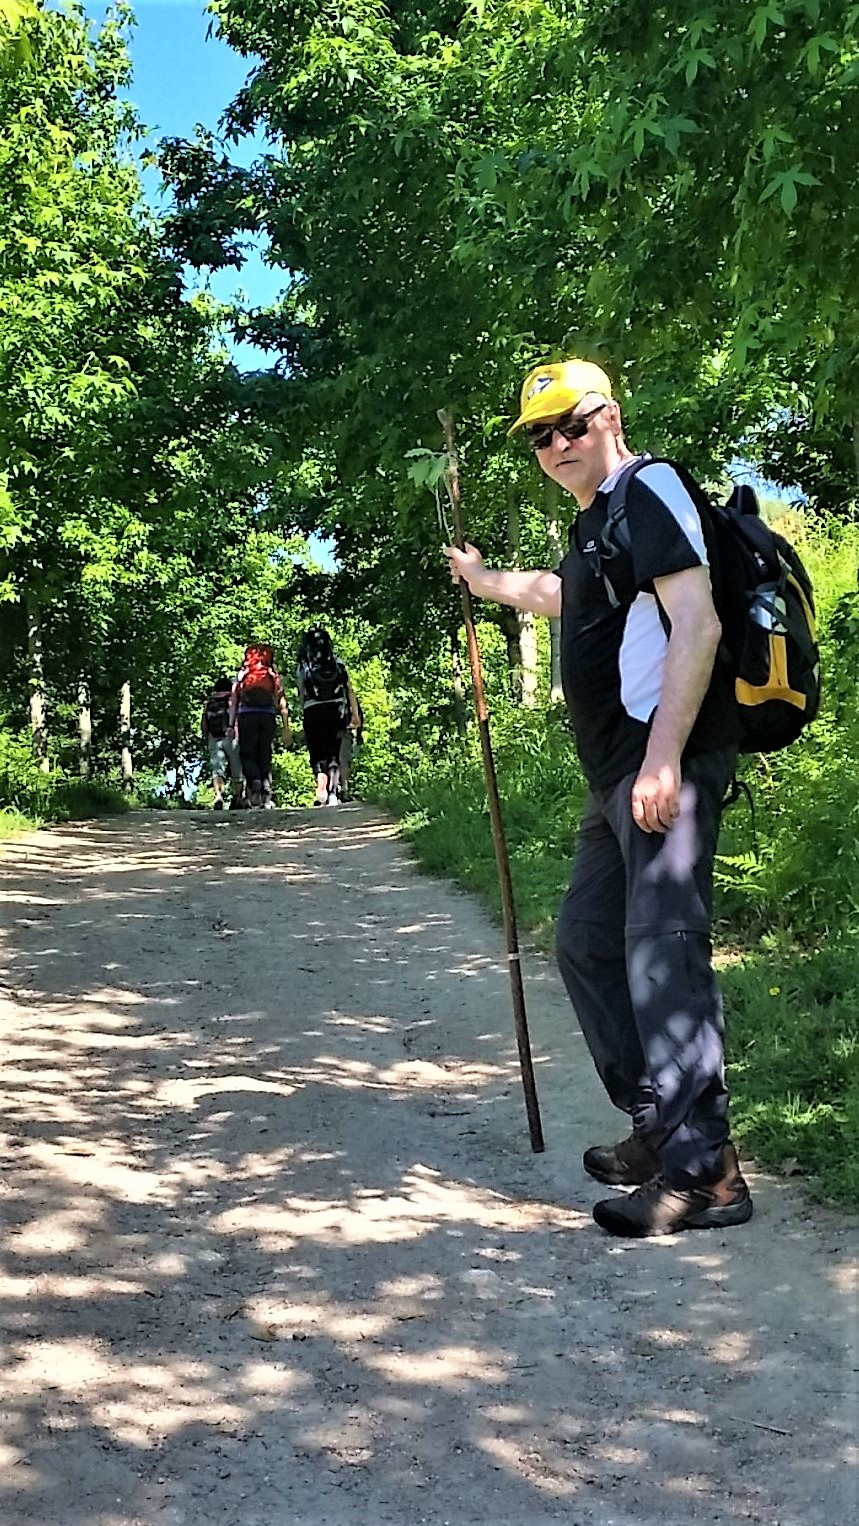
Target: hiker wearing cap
column 654, row 726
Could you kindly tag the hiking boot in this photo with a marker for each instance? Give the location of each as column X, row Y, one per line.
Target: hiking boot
column 630, row 1163
column 256, row 793
column 218, row 806
column 657, row 1208
column 332, row 800
column 238, row 803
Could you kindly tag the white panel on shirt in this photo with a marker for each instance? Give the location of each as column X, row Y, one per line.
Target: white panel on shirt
column 663, row 480
column 642, row 658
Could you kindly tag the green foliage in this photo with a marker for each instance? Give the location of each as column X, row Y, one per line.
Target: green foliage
column 29, row 794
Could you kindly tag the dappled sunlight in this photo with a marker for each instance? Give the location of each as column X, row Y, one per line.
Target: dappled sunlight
column 270, row 1206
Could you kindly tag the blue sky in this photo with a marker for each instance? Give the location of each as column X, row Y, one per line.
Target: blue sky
column 182, row 77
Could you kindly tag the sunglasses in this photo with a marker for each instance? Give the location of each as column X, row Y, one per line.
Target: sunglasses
column 571, row 425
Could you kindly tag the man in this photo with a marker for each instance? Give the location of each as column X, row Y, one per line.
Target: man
column 221, row 743
column 653, row 720
column 351, row 740
column 256, row 701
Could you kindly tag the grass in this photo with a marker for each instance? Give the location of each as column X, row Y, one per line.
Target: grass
column 787, row 921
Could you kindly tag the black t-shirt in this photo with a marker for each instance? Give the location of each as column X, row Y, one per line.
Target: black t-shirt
column 612, row 659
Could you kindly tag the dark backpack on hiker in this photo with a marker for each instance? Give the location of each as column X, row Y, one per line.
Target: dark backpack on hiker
column 323, row 677
column 218, row 715
column 764, row 600
column 258, row 679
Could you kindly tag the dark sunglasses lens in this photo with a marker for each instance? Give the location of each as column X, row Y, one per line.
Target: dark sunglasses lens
column 572, row 426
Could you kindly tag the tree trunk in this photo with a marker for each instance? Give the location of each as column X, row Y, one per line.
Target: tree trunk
column 36, row 681
column 856, row 447
column 521, row 648
column 460, row 713
column 84, row 729
column 553, row 532
column 126, row 766
column 509, row 622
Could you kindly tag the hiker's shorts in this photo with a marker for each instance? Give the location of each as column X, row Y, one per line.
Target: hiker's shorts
column 224, row 758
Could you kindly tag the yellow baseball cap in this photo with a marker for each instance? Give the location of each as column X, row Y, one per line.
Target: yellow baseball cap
column 552, row 390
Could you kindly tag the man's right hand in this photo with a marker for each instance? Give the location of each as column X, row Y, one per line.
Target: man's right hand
column 464, row 565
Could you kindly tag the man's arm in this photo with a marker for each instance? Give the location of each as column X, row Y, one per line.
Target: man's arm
column 283, row 711
column 354, row 712
column 539, row 592
column 692, row 645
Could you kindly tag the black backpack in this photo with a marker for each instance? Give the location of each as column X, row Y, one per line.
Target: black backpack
column 217, row 715
column 765, row 602
column 324, row 678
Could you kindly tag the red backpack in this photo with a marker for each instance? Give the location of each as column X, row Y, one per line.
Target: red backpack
column 258, row 682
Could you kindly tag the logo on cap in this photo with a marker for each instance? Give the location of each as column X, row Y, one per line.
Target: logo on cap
column 539, row 385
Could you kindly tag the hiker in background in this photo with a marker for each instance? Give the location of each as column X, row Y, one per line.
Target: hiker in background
column 353, row 738
column 654, row 720
column 256, row 702
column 221, row 741
column 329, row 708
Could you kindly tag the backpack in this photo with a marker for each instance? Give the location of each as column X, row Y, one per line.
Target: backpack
column 765, row 602
column 323, row 677
column 217, row 715
column 258, row 679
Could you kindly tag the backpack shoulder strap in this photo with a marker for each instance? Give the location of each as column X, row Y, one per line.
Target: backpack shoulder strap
column 615, row 539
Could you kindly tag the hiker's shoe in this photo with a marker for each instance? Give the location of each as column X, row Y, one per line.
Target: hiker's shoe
column 332, row 800
column 630, row 1163
column 321, row 797
column 657, row 1208
column 268, row 804
column 256, row 794
column 218, row 806
column 238, row 803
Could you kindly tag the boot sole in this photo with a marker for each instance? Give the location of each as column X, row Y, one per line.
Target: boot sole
column 720, row 1218
column 708, row 1218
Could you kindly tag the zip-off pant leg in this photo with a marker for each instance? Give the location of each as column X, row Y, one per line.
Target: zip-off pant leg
column 634, row 950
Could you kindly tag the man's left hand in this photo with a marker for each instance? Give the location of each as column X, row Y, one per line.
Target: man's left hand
column 656, row 795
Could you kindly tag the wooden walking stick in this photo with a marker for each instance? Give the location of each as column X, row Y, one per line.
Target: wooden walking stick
column 532, row 1106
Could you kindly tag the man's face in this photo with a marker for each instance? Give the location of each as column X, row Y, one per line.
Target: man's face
column 580, row 461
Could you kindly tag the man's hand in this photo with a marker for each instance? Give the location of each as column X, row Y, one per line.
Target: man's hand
column 464, row 565
column 656, row 794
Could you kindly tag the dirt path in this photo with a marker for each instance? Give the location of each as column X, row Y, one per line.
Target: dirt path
column 276, row 1251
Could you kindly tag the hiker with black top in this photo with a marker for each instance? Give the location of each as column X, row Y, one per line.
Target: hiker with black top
column 655, row 727
column 329, row 708
column 256, row 702
column 220, row 740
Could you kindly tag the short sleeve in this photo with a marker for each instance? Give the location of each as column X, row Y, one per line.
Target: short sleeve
column 665, row 527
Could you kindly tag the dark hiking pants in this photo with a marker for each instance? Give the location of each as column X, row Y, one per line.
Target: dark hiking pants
column 635, row 954
column 256, row 739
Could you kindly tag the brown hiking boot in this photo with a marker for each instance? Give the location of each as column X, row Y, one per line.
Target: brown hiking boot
column 628, row 1164
column 660, row 1209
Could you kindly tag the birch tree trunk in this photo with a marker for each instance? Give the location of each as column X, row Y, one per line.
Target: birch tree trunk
column 126, row 765
column 521, row 647
column 84, row 729
column 553, row 532
column 36, row 680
